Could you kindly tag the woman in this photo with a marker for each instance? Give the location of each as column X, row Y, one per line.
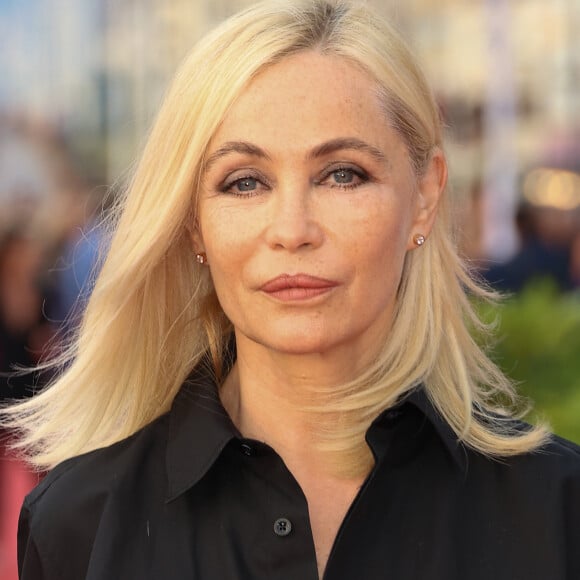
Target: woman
column 274, row 376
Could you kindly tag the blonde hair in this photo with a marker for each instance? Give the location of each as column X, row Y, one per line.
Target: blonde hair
column 153, row 314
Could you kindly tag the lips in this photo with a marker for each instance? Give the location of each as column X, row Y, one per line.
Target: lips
column 297, row 287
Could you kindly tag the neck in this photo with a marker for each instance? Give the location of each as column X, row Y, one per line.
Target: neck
column 273, row 397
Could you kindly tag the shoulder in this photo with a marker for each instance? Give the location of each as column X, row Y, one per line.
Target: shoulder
column 61, row 517
column 543, row 487
column 559, row 460
column 103, row 468
column 547, row 476
column 562, row 450
column 558, row 457
column 554, row 456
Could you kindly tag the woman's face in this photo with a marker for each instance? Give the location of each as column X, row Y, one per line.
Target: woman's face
column 308, row 207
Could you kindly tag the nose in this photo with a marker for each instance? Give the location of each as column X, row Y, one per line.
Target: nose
column 294, row 221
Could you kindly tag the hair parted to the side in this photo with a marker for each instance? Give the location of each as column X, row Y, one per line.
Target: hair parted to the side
column 153, row 312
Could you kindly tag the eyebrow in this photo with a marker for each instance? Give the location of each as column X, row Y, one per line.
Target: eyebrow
column 326, row 148
column 347, row 143
column 230, row 147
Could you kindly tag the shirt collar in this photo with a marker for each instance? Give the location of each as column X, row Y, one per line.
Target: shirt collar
column 399, row 432
column 419, row 399
column 200, row 428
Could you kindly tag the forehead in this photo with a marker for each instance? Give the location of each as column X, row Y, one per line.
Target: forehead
column 308, row 96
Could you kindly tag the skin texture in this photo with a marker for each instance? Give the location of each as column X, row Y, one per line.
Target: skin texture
column 298, row 218
column 305, row 176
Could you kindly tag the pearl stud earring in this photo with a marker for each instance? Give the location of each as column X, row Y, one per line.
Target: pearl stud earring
column 418, row 239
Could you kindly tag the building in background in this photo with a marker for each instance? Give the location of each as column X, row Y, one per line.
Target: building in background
column 507, row 74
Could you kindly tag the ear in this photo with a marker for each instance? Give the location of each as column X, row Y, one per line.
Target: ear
column 196, row 238
column 430, row 186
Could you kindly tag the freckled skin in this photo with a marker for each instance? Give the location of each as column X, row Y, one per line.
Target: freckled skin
column 299, row 218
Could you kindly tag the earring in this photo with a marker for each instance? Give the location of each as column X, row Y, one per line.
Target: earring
column 418, row 239
column 201, row 258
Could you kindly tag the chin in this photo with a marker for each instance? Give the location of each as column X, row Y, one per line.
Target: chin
column 299, row 342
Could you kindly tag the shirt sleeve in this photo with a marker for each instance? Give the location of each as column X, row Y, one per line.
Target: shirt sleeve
column 572, row 519
column 30, row 566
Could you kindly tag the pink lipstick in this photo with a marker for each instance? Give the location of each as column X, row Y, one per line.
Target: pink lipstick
column 297, row 287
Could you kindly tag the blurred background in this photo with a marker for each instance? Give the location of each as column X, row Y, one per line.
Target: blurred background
column 82, row 79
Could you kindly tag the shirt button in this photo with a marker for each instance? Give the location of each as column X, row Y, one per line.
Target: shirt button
column 282, row 527
column 247, row 449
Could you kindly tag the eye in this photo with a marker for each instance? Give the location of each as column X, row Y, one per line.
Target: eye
column 243, row 186
column 344, row 177
column 246, row 184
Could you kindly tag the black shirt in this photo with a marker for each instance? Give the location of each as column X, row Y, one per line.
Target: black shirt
column 187, row 498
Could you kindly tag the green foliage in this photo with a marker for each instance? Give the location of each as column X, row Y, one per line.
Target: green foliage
column 539, row 347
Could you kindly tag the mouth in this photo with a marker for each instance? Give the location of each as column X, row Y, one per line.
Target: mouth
column 297, row 287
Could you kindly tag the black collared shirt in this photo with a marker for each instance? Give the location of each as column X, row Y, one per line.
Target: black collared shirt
column 187, row 498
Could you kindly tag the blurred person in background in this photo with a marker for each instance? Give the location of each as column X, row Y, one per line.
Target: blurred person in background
column 24, row 336
column 546, row 237
column 24, row 331
column 44, row 210
column 76, row 266
column 274, row 376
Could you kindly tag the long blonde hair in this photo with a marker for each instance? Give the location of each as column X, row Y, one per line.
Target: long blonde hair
column 153, row 313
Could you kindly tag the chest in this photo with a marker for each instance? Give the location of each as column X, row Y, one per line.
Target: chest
column 328, row 506
column 249, row 519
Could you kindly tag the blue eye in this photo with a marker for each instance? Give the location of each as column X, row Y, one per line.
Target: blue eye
column 246, row 184
column 343, row 176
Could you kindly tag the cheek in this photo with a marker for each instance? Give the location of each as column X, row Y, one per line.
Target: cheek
column 379, row 256
column 381, row 271
column 223, row 231
column 382, row 234
column 227, row 239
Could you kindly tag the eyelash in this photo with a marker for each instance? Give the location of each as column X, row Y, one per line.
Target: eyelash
column 227, row 185
column 356, row 171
